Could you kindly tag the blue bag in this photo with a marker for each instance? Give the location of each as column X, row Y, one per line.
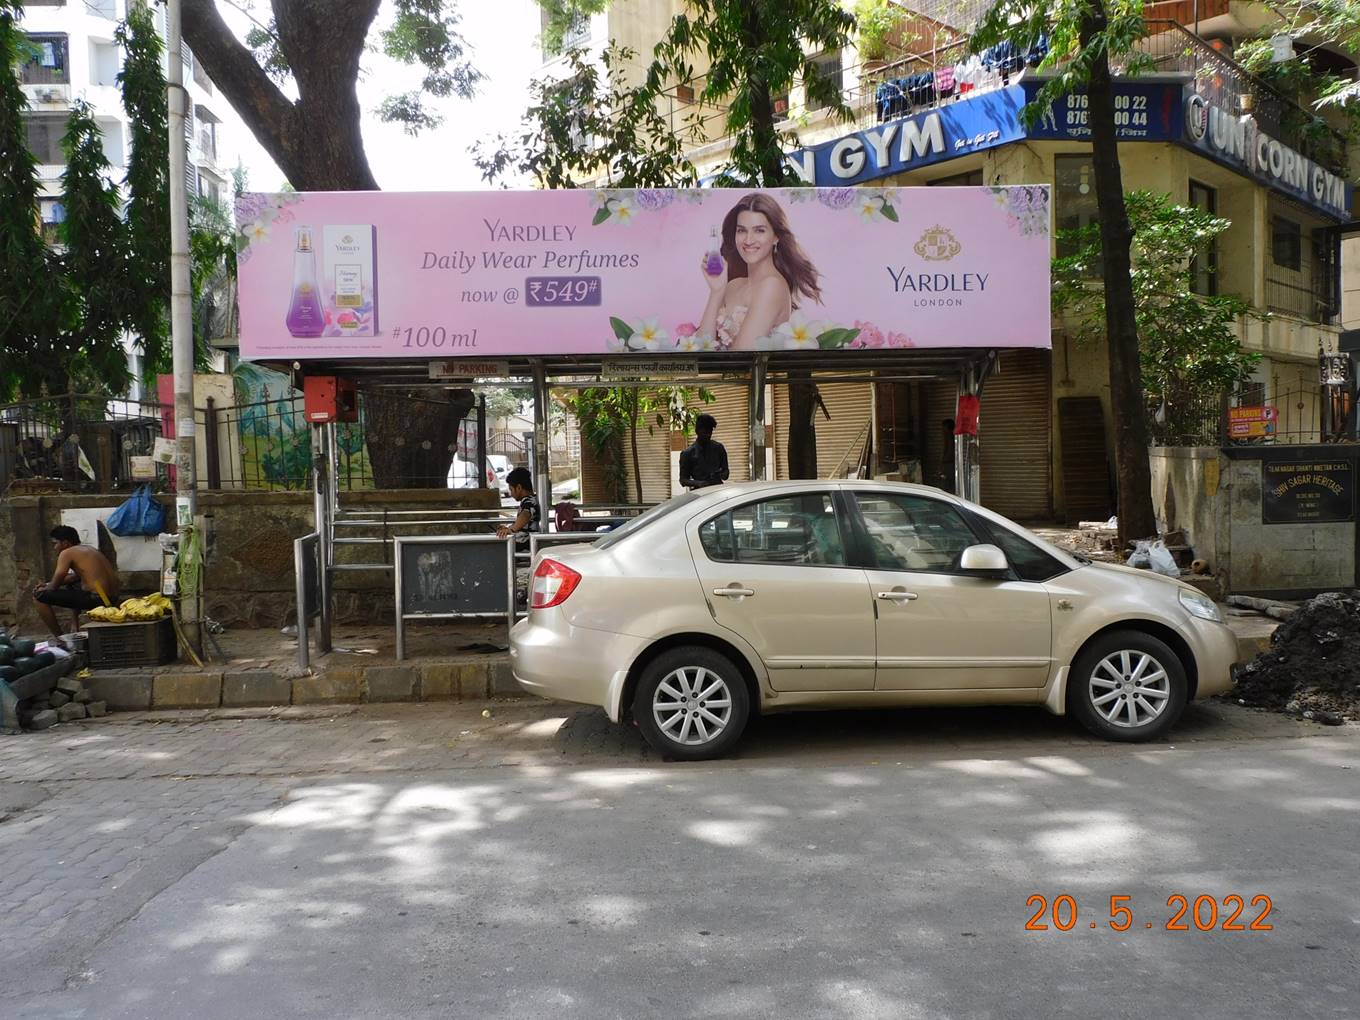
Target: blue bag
column 139, row 514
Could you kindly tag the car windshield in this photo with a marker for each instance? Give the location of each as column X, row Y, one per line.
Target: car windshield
column 646, row 518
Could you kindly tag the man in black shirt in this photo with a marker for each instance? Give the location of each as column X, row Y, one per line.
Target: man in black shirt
column 704, row 462
column 521, row 485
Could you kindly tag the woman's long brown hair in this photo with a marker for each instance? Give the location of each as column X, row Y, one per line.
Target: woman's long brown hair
column 793, row 265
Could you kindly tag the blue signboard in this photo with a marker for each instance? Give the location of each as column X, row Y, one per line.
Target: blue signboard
column 1144, row 112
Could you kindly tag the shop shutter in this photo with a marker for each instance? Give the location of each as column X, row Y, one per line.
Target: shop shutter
column 942, row 401
column 654, row 462
column 1014, row 432
column 840, row 441
column 1087, row 494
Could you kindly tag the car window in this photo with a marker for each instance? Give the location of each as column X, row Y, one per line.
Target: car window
column 799, row 530
column 908, row 532
column 647, row 517
column 1029, row 561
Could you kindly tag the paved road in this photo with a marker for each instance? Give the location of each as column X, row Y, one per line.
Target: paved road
column 425, row 861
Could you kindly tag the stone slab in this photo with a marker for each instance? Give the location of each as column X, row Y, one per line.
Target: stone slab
column 186, row 690
column 391, row 683
column 129, row 692
column 336, row 686
column 58, row 699
column 252, row 688
column 97, row 709
column 43, row 720
column 439, row 681
column 71, row 712
column 501, row 681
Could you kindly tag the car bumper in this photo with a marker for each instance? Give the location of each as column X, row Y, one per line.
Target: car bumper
column 552, row 659
column 1215, row 655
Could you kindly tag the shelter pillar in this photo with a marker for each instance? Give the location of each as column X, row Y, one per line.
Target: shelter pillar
column 542, row 476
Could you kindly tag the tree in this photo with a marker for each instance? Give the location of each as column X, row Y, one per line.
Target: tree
column 148, row 183
column 1084, row 35
column 317, row 46
column 30, row 305
column 1189, row 350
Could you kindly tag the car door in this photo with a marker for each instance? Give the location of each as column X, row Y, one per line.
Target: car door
column 937, row 627
column 775, row 572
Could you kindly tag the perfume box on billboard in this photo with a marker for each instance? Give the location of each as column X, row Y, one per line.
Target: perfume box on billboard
column 351, row 284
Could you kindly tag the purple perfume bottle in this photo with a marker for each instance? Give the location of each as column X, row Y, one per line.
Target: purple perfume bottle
column 305, row 315
column 714, row 265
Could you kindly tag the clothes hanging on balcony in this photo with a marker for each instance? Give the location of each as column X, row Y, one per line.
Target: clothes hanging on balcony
column 944, row 82
column 897, row 97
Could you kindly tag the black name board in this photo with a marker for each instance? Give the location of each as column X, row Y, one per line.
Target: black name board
column 1307, row 492
column 454, row 577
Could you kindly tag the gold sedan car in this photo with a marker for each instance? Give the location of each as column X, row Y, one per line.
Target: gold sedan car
column 774, row 596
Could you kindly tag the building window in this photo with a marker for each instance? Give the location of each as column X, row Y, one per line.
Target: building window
column 685, row 94
column 828, row 67
column 46, row 64
column 781, row 105
column 1204, row 269
column 44, row 132
column 53, row 214
column 1075, row 206
column 1286, row 243
column 971, row 179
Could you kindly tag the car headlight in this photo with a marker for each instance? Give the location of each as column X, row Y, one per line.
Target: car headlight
column 1197, row 604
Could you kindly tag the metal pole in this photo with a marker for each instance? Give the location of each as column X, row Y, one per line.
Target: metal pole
column 542, row 477
column 481, row 441
column 756, row 407
column 181, row 327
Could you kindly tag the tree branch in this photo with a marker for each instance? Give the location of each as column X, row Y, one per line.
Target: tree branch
column 262, row 105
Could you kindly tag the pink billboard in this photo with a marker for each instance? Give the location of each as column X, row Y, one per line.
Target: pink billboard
column 499, row 273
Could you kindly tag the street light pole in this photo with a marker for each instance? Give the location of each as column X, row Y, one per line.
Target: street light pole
column 182, row 340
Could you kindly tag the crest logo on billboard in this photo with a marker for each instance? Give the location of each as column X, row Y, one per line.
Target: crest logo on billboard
column 938, row 244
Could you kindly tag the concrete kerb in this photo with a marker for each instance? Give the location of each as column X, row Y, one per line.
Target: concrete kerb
column 179, row 687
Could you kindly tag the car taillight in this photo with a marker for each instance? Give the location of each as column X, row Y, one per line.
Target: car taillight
column 553, row 584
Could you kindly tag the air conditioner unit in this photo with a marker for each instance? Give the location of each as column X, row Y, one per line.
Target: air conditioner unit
column 51, row 95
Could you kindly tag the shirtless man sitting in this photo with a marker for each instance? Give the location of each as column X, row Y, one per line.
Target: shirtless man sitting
column 82, row 573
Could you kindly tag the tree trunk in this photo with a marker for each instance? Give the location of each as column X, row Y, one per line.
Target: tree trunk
column 1136, row 517
column 802, row 430
column 632, row 439
column 397, row 427
column 316, row 141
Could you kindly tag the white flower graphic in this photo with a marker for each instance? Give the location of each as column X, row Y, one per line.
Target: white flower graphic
column 694, row 342
column 870, row 205
column 648, row 335
column 623, row 209
column 258, row 229
column 798, row 334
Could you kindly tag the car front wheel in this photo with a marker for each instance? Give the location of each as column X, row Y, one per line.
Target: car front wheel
column 1127, row 686
column 691, row 704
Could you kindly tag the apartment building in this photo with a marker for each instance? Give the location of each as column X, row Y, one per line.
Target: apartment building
column 1198, row 128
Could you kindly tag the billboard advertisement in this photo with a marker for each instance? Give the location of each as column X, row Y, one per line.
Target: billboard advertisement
column 499, row 273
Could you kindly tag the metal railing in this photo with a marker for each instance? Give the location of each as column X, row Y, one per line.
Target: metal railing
column 1291, row 416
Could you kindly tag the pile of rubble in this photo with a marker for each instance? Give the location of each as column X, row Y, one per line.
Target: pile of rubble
column 69, row 701
column 1312, row 668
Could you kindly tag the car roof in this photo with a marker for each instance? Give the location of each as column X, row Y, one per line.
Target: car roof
column 728, row 489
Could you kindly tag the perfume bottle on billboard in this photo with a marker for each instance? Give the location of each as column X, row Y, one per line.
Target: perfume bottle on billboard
column 305, row 316
column 714, row 265
column 350, row 268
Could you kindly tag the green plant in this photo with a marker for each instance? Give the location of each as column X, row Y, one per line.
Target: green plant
column 1188, row 344
column 876, row 21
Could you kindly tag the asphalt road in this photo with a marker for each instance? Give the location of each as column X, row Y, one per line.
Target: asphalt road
column 423, row 861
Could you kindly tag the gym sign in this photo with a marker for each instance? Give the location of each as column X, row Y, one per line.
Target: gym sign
column 1239, row 142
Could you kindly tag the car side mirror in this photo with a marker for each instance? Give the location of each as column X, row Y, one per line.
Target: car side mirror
column 984, row 559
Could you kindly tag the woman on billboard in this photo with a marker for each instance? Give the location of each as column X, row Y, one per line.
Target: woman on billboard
column 757, row 277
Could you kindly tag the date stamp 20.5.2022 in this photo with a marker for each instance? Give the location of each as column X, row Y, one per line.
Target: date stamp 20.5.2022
column 1183, row 913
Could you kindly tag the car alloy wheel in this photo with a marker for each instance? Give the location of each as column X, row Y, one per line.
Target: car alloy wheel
column 692, row 706
column 1130, row 688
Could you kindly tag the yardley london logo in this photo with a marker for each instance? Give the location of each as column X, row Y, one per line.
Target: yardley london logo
column 938, row 244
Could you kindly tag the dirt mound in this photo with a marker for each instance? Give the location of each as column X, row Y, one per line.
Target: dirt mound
column 1313, row 664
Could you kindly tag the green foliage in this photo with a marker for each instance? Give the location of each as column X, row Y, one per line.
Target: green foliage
column 148, row 207
column 875, row 23
column 592, row 124
column 560, row 16
column 1188, row 344
column 32, row 308
column 212, row 266
column 1065, row 22
column 754, row 50
column 423, row 34
column 94, row 260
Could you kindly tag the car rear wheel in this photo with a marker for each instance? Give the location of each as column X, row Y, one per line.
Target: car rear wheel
column 1127, row 686
column 691, row 704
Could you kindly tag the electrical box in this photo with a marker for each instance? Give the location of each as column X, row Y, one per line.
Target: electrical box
column 329, row 398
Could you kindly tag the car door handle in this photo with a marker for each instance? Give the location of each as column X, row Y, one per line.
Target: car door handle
column 898, row 596
column 733, row 593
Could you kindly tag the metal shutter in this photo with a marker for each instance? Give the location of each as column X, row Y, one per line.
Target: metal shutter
column 654, row 462
column 1014, row 432
column 731, row 406
column 840, row 440
column 1087, row 494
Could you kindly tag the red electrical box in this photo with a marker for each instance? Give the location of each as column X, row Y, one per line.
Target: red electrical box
column 328, row 398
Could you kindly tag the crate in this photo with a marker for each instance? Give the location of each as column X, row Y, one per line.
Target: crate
column 115, row 645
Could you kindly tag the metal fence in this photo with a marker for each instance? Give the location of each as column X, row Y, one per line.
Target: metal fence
column 85, row 443
column 1288, row 417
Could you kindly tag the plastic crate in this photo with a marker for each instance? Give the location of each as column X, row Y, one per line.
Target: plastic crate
column 113, row 645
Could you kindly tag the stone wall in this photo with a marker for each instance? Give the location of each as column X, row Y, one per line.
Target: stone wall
column 1215, row 498
column 249, row 580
